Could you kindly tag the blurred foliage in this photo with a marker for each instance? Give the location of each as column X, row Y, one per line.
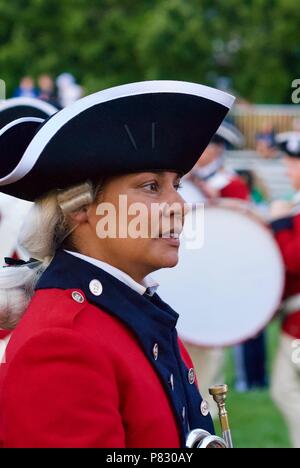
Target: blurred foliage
column 254, row 44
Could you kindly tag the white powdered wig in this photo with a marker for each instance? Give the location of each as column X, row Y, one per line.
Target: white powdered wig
column 16, row 289
column 45, row 229
column 47, row 224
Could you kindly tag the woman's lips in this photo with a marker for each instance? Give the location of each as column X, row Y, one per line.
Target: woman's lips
column 171, row 239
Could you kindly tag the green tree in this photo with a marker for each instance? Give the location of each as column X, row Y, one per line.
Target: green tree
column 254, row 43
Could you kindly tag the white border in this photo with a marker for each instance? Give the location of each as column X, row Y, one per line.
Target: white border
column 35, row 103
column 19, row 121
column 50, row 128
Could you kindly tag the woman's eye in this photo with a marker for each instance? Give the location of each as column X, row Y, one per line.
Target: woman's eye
column 153, row 186
column 178, row 186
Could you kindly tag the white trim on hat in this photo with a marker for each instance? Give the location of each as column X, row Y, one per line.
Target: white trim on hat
column 51, row 127
column 286, row 136
column 43, row 106
column 19, row 121
column 290, row 141
column 231, row 134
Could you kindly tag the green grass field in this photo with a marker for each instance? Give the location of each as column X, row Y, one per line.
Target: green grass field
column 255, row 421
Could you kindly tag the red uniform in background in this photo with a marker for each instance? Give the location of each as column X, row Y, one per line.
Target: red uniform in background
column 287, row 235
column 236, row 188
column 221, row 184
column 285, row 387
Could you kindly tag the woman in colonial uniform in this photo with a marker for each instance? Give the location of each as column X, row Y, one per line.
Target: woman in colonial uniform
column 95, row 360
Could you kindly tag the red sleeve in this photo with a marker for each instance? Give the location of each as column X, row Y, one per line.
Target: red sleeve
column 4, row 333
column 287, row 235
column 237, row 188
column 66, row 395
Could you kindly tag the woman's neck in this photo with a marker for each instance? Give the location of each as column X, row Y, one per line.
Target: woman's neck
column 136, row 273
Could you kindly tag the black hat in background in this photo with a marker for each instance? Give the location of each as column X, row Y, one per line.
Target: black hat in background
column 147, row 126
column 289, row 143
column 16, row 108
column 229, row 135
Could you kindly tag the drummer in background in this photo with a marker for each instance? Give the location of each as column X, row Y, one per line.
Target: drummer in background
column 213, row 182
column 208, row 181
column 286, row 228
column 209, row 175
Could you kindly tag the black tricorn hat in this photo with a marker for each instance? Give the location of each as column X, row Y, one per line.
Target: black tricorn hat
column 289, row 143
column 19, row 107
column 147, row 126
column 229, row 135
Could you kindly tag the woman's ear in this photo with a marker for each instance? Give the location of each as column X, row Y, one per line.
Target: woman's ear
column 79, row 217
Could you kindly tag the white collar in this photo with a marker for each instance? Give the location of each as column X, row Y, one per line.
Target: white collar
column 149, row 284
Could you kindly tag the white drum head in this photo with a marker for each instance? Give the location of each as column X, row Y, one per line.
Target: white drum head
column 228, row 290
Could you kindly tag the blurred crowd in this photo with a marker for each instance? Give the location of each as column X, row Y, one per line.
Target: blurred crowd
column 61, row 92
column 64, row 90
column 266, row 139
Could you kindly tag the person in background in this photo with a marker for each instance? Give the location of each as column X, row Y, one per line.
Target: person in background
column 265, row 141
column 285, row 386
column 68, row 90
column 209, row 175
column 46, row 90
column 251, row 356
column 214, row 181
column 259, row 191
column 209, row 180
column 26, row 88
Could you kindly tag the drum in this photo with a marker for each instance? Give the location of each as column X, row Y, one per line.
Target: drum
column 227, row 290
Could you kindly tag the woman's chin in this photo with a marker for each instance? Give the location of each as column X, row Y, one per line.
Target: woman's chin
column 168, row 260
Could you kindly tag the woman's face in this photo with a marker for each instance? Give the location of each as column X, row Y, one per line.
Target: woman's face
column 143, row 234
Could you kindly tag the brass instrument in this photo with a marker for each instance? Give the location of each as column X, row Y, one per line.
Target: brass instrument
column 198, row 438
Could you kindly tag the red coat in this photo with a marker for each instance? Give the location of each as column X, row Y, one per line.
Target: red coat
column 287, row 235
column 76, row 376
column 236, row 188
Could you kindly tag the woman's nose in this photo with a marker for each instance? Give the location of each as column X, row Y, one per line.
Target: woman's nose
column 175, row 205
column 174, row 196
